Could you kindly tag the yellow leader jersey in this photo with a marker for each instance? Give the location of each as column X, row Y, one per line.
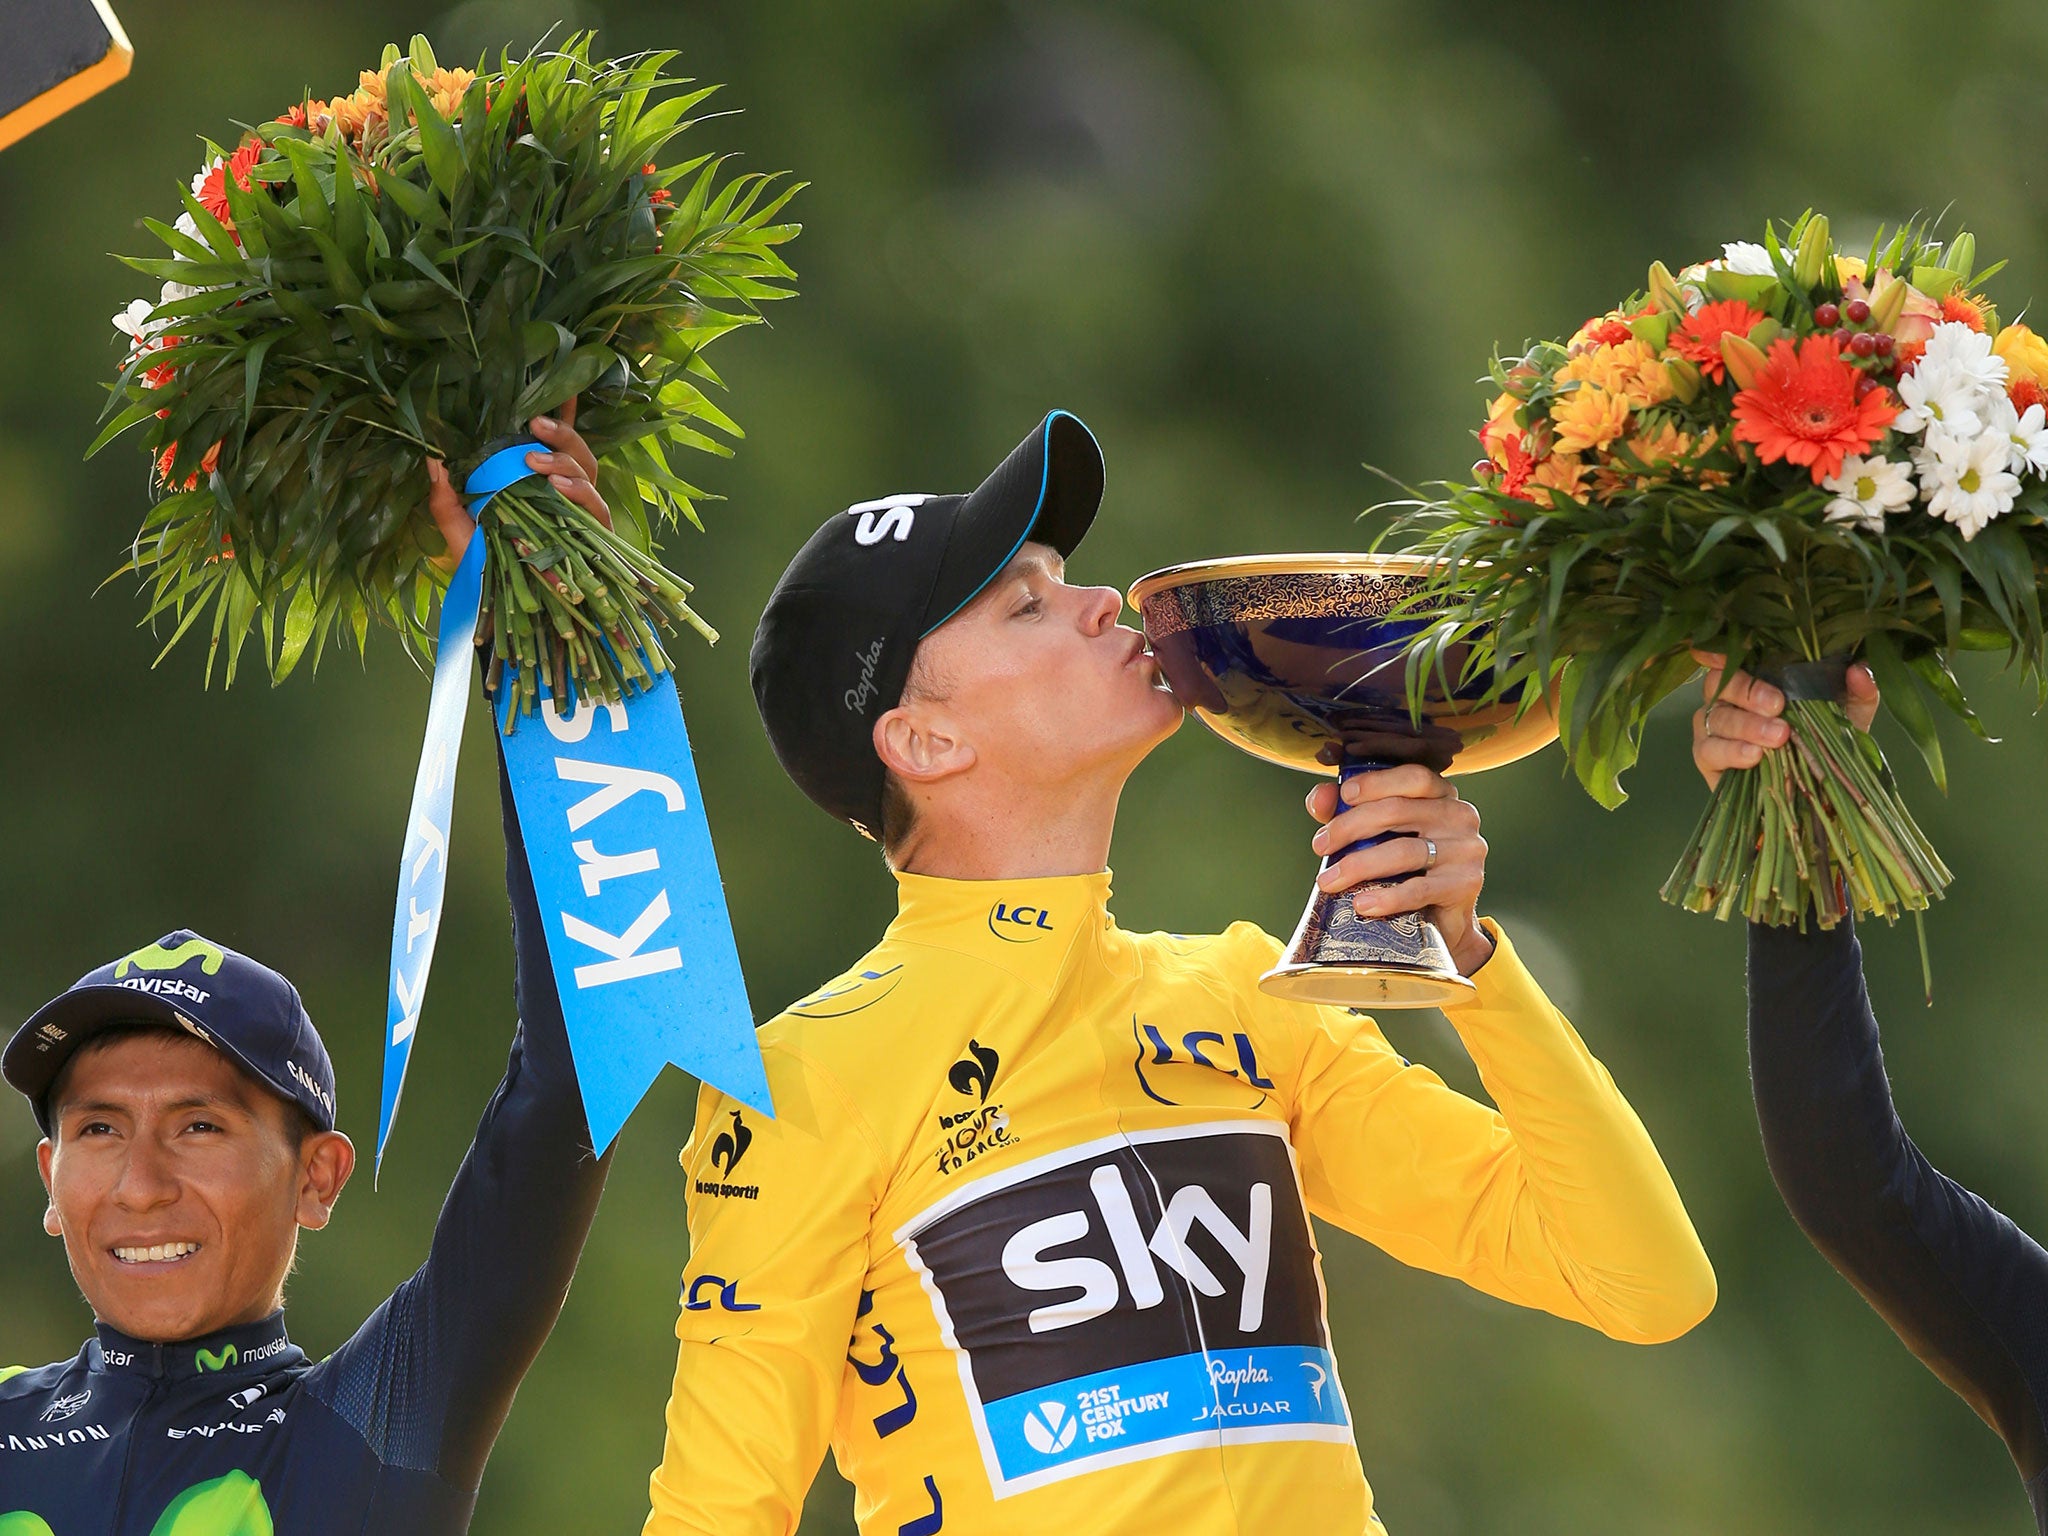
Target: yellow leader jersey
column 1028, row 1243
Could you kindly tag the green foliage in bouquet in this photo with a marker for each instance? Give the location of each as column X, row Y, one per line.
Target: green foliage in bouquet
column 1788, row 456
column 414, row 271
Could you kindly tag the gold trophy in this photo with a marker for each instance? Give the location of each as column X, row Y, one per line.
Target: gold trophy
column 1302, row 660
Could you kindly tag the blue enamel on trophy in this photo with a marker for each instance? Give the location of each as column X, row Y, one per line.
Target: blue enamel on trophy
column 1301, row 660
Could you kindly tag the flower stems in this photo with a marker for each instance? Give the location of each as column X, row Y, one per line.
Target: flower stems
column 1817, row 828
column 569, row 605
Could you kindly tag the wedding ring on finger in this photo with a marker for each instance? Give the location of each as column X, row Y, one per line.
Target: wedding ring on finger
column 1429, row 852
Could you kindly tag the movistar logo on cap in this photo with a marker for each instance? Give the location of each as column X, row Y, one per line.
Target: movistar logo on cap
column 154, row 957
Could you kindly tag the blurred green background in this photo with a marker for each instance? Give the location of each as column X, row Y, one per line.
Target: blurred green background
column 1253, row 246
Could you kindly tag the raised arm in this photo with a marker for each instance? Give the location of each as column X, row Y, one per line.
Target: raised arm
column 432, row 1374
column 1557, row 1201
column 1962, row 1287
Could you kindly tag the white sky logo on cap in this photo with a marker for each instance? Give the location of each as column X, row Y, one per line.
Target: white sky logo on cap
column 896, row 517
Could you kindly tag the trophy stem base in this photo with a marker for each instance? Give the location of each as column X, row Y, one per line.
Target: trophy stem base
column 1346, row 961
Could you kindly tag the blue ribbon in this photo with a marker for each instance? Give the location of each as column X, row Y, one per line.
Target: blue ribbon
column 638, row 932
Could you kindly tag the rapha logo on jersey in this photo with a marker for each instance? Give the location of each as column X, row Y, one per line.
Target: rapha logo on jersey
column 726, row 1151
column 1139, row 1295
column 62, row 1408
column 862, row 693
column 1019, row 925
column 975, row 1072
column 890, row 517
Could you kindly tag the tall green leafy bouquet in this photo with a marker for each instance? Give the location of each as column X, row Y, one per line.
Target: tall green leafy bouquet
column 412, row 271
column 1793, row 455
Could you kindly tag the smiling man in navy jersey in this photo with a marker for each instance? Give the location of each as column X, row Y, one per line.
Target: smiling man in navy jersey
column 188, row 1110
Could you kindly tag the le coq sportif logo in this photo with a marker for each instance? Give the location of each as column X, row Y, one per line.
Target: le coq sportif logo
column 731, row 1145
column 975, row 1073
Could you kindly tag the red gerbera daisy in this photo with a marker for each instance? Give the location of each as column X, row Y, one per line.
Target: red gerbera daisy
column 1698, row 341
column 1964, row 309
column 2025, row 392
column 1610, row 333
column 213, row 194
column 1803, row 408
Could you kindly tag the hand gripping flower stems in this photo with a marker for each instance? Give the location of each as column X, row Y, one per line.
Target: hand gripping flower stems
column 1791, row 456
column 408, row 273
column 1834, row 836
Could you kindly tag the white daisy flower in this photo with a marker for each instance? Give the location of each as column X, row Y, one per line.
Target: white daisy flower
column 1748, row 258
column 1966, row 479
column 1955, row 348
column 187, row 225
column 2028, row 434
column 1939, row 399
column 1868, row 488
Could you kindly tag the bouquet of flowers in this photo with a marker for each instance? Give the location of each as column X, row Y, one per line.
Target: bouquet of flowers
column 1792, row 455
column 412, row 271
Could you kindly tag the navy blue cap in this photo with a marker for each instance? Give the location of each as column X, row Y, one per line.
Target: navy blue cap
column 834, row 647
column 240, row 1007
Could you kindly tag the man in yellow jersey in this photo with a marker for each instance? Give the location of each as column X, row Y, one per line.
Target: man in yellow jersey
column 1027, row 1243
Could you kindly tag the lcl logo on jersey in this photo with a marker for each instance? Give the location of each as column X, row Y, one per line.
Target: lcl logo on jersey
column 1018, row 925
column 890, row 517
column 1132, row 1297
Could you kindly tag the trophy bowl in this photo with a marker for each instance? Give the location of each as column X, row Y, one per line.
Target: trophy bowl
column 1298, row 659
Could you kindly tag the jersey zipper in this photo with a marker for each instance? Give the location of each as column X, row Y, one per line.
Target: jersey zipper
column 122, row 1489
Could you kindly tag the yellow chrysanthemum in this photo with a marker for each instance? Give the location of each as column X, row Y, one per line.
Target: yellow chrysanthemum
column 1641, row 373
column 1560, row 472
column 1589, row 417
column 1629, row 369
column 1661, row 445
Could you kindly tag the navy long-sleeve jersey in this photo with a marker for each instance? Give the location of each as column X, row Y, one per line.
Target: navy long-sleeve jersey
column 242, row 1435
column 1962, row 1287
